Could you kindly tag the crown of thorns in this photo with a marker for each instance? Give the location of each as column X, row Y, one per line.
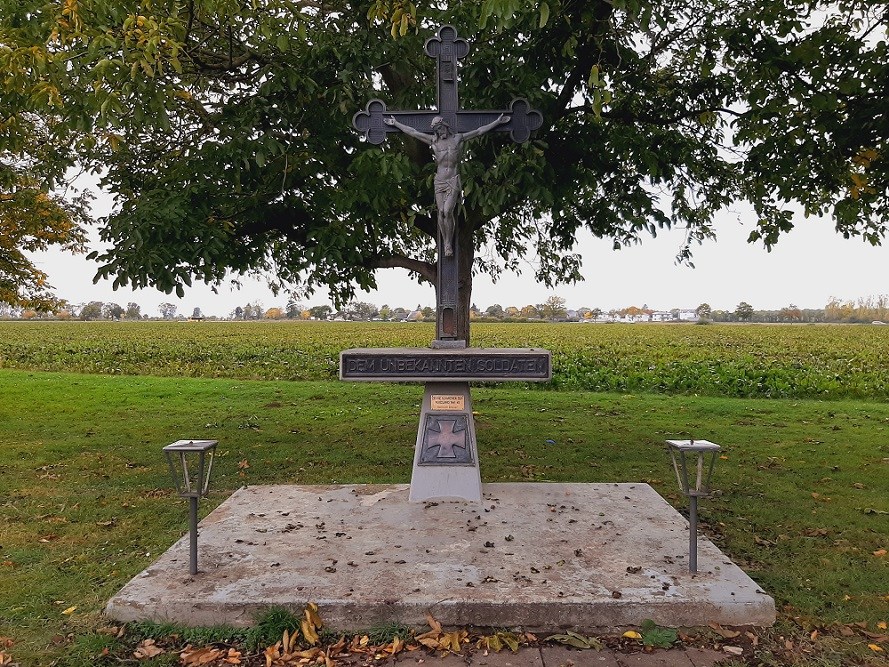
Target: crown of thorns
column 438, row 120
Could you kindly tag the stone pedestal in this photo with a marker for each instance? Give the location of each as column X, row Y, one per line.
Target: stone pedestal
column 446, row 458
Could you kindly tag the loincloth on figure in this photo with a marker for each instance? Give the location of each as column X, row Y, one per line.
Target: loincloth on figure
column 448, row 186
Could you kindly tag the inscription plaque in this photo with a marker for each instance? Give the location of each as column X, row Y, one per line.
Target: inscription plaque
column 447, row 402
column 468, row 365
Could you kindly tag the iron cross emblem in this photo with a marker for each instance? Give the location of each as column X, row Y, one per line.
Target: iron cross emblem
column 446, row 438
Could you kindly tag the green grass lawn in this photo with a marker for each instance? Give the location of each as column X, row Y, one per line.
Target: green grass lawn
column 85, row 500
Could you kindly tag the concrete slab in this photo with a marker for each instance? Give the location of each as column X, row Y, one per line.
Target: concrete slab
column 705, row 657
column 539, row 556
column 528, row 657
column 671, row 658
column 560, row 656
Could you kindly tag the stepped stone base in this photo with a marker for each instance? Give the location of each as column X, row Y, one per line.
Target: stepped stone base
column 539, row 556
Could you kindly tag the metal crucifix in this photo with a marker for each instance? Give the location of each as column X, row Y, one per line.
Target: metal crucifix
column 445, row 129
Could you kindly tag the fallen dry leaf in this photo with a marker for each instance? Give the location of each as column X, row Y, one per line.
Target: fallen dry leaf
column 310, row 624
column 272, row 653
column 309, row 632
column 491, row 643
column 724, row 632
column 147, row 649
column 233, row 657
column 631, row 634
column 733, row 650
column 875, row 648
column 450, row 641
column 880, row 553
column 395, row 647
column 882, row 625
column 435, row 625
column 311, row 613
column 202, row 656
column 70, row 610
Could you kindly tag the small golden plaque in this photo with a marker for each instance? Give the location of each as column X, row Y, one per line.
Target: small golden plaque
column 447, row 402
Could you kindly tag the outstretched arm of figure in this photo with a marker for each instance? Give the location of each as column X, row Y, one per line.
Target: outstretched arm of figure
column 503, row 118
column 408, row 130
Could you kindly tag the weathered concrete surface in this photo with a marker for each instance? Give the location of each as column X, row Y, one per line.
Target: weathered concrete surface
column 540, row 556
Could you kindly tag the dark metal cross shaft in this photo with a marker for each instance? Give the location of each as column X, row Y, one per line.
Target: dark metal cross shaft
column 376, row 122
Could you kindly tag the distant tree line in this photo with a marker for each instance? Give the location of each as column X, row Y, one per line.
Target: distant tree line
column 863, row 310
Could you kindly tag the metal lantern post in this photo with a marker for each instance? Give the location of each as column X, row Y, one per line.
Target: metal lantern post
column 191, row 462
column 699, row 456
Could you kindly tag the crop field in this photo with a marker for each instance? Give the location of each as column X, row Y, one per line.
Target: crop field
column 745, row 361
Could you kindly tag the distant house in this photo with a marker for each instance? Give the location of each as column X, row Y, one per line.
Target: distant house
column 686, row 315
column 662, row 316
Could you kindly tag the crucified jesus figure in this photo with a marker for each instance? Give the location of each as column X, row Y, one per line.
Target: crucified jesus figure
column 447, row 146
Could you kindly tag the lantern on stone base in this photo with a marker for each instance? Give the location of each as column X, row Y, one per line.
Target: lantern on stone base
column 191, row 462
column 693, row 462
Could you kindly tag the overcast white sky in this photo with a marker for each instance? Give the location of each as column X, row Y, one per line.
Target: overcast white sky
column 809, row 265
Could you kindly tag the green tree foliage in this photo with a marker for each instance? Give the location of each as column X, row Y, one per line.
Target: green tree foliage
column 223, row 128
column 35, row 153
column 167, row 310
column 320, row 312
column 92, row 311
column 294, row 308
column 553, row 308
column 112, row 311
column 744, row 311
column 704, row 311
column 32, row 219
column 361, row 310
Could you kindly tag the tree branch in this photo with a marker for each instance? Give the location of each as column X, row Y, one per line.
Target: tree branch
column 590, row 52
column 427, row 225
column 425, row 269
column 653, row 120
